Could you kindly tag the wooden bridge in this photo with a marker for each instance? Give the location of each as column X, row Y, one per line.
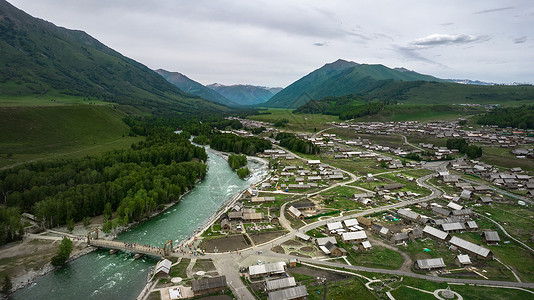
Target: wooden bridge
column 93, row 240
column 139, row 249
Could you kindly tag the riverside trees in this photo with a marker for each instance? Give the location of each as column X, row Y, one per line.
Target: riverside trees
column 134, row 182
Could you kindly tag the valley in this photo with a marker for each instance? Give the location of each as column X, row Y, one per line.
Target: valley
column 123, row 177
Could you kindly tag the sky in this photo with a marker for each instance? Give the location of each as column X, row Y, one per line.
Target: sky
column 276, row 42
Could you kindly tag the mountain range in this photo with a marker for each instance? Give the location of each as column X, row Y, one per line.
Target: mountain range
column 245, row 94
column 39, row 58
column 340, row 78
column 188, row 85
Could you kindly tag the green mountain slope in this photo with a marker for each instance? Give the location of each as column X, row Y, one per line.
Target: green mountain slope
column 243, row 94
column 188, row 85
column 425, row 92
column 39, row 58
column 340, row 78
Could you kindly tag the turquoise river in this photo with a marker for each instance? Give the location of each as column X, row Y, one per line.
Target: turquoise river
column 99, row 275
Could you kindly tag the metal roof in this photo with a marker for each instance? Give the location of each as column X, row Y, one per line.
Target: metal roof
column 350, row 222
column 474, row 248
column 208, row 283
column 431, row 263
column 454, row 206
column 408, row 214
column 302, row 236
column 492, row 236
column 294, row 211
column 441, row 211
column 323, row 240
column 334, row 225
column 435, row 232
column 472, row 224
column 290, row 293
column 355, row 235
column 163, row 266
column 464, row 259
column 277, row 267
column 280, row 283
column 453, row 226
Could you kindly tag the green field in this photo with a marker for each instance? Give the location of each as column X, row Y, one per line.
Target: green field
column 29, row 132
column 502, row 157
column 418, row 112
column 297, row 122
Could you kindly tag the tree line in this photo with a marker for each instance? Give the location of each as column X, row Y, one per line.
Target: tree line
column 229, row 142
column 517, row 117
column 134, row 182
column 293, row 143
column 461, row 145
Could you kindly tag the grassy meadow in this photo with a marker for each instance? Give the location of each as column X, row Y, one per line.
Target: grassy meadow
column 38, row 129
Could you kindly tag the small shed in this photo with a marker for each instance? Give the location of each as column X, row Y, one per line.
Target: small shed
column 430, row 264
column 463, row 260
column 162, row 268
column 208, row 285
column 491, row 237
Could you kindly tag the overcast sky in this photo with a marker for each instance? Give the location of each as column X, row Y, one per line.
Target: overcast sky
column 274, row 43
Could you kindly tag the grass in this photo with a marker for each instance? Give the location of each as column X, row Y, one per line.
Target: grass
column 502, row 157
column 466, row 291
column 33, row 133
column 203, row 265
column 180, row 269
column 48, row 100
column 156, row 295
column 516, row 220
column 352, row 288
column 404, row 292
column 340, row 198
column 315, row 233
column 378, row 257
column 512, row 254
column 418, row 112
column 297, row 122
column 344, row 289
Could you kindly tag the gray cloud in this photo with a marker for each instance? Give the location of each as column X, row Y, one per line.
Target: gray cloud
column 412, row 53
column 520, row 39
column 447, row 39
column 320, row 44
column 493, row 10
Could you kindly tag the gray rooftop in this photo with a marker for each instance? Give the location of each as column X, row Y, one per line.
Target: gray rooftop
column 431, row 263
column 290, row 293
column 280, row 283
column 435, row 232
column 474, row 248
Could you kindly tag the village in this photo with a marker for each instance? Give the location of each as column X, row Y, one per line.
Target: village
column 360, row 204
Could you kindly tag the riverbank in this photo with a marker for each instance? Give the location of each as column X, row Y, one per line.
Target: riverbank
column 79, row 232
column 106, row 274
column 231, row 200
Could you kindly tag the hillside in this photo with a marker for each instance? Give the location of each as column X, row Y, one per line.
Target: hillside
column 340, row 78
column 244, row 94
column 190, row 86
column 39, row 58
column 28, row 133
column 425, row 92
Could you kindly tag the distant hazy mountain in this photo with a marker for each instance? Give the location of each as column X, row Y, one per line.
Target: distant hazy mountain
column 39, row 58
column 341, row 78
column 190, row 86
column 245, row 94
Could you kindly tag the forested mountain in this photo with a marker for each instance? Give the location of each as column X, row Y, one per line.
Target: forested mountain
column 377, row 82
column 244, row 94
column 338, row 79
column 39, row 58
column 188, row 85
